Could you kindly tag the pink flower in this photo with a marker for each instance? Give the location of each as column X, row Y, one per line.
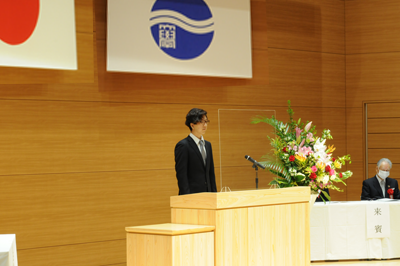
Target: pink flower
column 307, row 127
column 310, row 137
column 302, row 143
column 332, row 172
column 314, row 169
column 298, row 132
column 305, row 151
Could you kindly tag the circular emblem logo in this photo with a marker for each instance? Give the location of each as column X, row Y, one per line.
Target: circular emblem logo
column 18, row 20
column 183, row 29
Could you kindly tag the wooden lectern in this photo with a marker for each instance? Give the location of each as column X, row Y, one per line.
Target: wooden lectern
column 255, row 227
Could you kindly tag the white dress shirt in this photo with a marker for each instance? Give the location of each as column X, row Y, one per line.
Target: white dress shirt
column 382, row 183
column 197, row 141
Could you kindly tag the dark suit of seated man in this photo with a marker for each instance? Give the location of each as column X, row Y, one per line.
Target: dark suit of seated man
column 194, row 164
column 377, row 187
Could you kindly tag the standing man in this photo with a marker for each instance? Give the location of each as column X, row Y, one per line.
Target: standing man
column 194, row 164
column 377, row 187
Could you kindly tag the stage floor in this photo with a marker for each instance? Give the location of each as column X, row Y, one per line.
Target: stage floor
column 391, row 262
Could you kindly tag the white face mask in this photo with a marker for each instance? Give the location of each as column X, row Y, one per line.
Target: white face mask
column 383, row 174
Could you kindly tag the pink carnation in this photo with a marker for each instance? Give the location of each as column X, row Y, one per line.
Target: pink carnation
column 314, row 169
column 332, row 172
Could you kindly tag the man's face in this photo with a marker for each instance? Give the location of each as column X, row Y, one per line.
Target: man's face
column 200, row 128
column 383, row 167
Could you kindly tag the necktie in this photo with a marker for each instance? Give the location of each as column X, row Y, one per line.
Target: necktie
column 203, row 151
column 383, row 187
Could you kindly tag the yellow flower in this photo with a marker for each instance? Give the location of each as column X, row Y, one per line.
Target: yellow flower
column 301, row 158
column 337, row 164
column 321, row 166
column 331, row 149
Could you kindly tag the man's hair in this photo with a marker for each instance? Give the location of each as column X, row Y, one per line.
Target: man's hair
column 384, row 160
column 194, row 116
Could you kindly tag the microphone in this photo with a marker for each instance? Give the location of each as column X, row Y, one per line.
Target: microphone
column 254, row 161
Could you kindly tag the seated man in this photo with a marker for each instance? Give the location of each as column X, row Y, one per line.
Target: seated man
column 377, row 187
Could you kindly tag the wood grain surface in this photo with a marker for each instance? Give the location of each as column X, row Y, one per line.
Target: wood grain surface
column 170, row 229
column 240, row 199
column 170, row 250
column 275, row 234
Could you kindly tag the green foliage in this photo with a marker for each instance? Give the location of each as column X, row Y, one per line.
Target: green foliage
column 281, row 182
column 291, row 123
column 278, row 169
column 326, row 196
column 343, row 159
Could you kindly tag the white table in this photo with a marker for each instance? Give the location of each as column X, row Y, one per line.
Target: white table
column 8, row 250
column 338, row 232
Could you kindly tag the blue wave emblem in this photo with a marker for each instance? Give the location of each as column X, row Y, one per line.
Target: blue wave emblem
column 183, row 29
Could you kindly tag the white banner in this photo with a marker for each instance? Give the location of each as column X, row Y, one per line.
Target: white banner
column 38, row 33
column 8, row 250
column 189, row 37
column 378, row 220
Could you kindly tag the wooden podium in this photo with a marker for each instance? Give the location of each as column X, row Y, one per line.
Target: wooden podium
column 254, row 227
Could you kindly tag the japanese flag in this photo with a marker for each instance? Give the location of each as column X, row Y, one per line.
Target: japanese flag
column 38, row 34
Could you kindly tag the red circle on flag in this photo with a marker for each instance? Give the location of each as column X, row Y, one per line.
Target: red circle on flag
column 18, row 20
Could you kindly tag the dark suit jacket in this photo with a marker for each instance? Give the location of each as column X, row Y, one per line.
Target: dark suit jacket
column 372, row 190
column 192, row 175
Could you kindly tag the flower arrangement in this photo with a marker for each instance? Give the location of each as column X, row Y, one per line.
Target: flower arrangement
column 301, row 158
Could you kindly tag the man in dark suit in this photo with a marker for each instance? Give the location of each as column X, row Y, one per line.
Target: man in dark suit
column 194, row 164
column 377, row 187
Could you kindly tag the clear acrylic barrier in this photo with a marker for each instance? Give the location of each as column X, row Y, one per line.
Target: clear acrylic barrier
column 237, row 138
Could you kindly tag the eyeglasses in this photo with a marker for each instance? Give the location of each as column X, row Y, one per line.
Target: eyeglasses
column 204, row 122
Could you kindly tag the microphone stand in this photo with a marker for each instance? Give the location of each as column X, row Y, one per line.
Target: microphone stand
column 256, row 168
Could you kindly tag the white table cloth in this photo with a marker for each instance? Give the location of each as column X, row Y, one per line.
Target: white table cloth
column 8, row 250
column 338, row 232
